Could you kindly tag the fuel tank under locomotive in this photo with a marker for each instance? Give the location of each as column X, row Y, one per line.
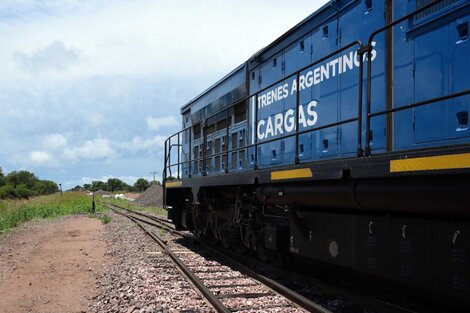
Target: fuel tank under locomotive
column 408, row 229
column 446, row 195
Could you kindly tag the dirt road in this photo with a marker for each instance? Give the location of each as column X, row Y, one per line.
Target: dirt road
column 48, row 266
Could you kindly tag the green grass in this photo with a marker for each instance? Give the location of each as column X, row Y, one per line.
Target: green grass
column 162, row 231
column 105, row 219
column 15, row 212
column 129, row 205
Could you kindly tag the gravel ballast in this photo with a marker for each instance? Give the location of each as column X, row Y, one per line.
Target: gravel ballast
column 140, row 278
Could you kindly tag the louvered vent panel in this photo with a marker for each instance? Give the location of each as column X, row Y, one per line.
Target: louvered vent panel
column 435, row 8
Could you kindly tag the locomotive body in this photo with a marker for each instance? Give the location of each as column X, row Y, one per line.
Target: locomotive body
column 345, row 141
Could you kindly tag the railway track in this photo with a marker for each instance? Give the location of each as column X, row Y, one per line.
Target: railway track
column 303, row 299
column 231, row 288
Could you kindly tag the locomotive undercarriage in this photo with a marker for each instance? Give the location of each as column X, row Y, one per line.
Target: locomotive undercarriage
column 234, row 219
column 279, row 223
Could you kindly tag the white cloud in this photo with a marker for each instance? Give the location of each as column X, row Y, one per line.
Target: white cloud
column 143, row 37
column 94, row 119
column 138, row 143
column 39, row 158
column 54, row 142
column 54, row 56
column 156, row 123
column 98, row 148
column 92, row 149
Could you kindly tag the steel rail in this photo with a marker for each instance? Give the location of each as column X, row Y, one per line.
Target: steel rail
column 164, row 222
column 288, row 293
column 213, row 299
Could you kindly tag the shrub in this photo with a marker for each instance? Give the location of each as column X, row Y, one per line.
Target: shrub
column 105, row 219
column 7, row 192
column 23, row 192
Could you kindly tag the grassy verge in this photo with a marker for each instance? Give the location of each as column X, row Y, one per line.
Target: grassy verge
column 104, row 218
column 129, row 205
column 14, row 213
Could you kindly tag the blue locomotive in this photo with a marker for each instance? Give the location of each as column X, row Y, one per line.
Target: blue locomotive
column 345, row 142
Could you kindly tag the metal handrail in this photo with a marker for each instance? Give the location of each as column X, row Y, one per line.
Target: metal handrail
column 368, row 48
column 421, row 103
column 296, row 133
column 346, row 121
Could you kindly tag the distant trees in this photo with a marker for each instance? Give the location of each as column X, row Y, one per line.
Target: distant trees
column 25, row 178
column 24, row 184
column 112, row 185
column 155, row 182
column 115, row 184
column 2, row 177
column 141, row 185
column 78, row 188
column 98, row 185
column 45, row 187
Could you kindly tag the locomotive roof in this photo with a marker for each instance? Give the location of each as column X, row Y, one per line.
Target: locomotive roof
column 202, row 94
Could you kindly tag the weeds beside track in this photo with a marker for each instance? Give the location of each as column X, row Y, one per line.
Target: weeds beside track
column 15, row 212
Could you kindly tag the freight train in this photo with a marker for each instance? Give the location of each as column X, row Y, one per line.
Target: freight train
column 345, row 142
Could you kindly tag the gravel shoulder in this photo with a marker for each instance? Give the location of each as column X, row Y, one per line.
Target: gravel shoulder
column 140, row 277
column 48, row 266
column 77, row 264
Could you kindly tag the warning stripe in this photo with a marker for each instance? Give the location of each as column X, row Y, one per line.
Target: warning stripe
column 442, row 162
column 170, row 184
column 292, row 174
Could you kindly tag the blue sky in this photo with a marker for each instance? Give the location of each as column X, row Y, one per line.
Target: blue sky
column 90, row 89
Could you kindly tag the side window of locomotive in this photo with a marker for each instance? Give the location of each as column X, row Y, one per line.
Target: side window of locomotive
column 210, row 129
column 221, row 125
column 197, row 131
column 240, row 112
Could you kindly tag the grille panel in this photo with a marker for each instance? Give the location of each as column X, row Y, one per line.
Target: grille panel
column 435, row 8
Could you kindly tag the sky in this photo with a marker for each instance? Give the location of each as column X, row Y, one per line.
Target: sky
column 90, row 89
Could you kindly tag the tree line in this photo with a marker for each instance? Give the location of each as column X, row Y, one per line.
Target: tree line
column 115, row 184
column 24, row 184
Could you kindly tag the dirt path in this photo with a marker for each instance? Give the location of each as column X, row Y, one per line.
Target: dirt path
column 49, row 266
